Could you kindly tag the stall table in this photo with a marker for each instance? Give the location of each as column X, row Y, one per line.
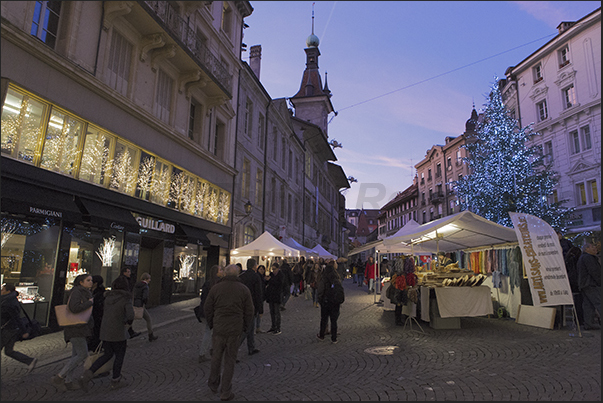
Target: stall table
column 446, row 305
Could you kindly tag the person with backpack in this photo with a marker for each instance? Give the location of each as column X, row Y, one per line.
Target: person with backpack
column 330, row 296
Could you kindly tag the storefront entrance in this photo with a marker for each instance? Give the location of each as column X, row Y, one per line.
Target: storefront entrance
column 150, row 260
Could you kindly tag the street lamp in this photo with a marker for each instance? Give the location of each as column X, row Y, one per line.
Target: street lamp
column 248, row 209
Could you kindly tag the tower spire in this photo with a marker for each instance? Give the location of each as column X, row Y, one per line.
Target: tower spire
column 313, row 18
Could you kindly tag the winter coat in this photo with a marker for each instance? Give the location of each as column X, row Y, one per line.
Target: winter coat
column 298, row 272
column 11, row 314
column 314, row 276
column 229, row 307
column 263, row 289
column 274, row 287
column 329, row 276
column 369, row 270
column 251, row 279
column 589, row 271
column 287, row 276
column 118, row 312
column 79, row 301
column 141, row 293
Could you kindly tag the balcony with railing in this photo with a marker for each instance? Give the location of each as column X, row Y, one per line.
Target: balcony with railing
column 437, row 197
column 189, row 41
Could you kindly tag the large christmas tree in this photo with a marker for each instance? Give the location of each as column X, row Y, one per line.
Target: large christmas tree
column 506, row 174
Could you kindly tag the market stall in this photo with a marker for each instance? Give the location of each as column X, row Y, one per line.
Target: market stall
column 266, row 248
column 322, row 252
column 454, row 234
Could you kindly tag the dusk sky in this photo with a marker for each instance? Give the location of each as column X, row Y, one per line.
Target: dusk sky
column 404, row 74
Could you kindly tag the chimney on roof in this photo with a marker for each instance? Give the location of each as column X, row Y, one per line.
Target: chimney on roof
column 255, row 58
column 564, row 26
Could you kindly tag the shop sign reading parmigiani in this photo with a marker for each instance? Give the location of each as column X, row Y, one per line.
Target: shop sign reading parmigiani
column 156, row 225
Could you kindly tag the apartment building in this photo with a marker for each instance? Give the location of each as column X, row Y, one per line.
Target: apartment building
column 399, row 210
column 442, row 165
column 118, row 143
column 558, row 89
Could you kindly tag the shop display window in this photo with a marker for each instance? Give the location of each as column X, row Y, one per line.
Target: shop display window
column 95, row 252
column 189, row 269
column 29, row 253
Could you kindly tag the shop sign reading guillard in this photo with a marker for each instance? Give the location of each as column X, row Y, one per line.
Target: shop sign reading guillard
column 155, row 225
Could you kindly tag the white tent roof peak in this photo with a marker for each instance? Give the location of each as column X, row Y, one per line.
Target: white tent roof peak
column 293, row 243
column 266, row 245
column 322, row 252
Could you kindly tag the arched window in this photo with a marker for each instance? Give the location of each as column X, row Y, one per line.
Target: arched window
column 249, row 235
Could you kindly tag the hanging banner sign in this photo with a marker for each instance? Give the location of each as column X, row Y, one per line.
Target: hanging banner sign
column 543, row 260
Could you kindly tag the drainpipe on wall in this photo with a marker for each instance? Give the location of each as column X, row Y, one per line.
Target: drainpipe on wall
column 234, row 178
column 265, row 166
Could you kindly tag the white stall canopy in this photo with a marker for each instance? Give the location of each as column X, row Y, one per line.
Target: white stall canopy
column 322, row 252
column 307, row 252
column 464, row 230
column 266, row 245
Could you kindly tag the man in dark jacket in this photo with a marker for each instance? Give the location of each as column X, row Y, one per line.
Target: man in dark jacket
column 229, row 312
column 285, row 269
column 274, row 297
column 141, row 298
column 251, row 279
column 126, row 274
column 589, row 281
column 12, row 328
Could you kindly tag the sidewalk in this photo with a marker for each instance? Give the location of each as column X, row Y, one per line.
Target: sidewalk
column 487, row 359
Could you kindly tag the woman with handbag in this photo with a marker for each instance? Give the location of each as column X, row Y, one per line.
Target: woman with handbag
column 141, row 297
column 80, row 299
column 118, row 314
column 12, row 328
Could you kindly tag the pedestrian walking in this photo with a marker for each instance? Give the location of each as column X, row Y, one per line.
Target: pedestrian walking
column 258, row 320
column 297, row 275
column 251, row 279
column 12, row 327
column 589, row 280
column 274, row 297
column 126, row 273
column 285, row 269
column 98, row 295
column 360, row 266
column 141, row 298
column 313, row 281
column 213, row 276
column 229, row 312
column 370, row 273
column 80, row 299
column 118, row 313
column 330, row 297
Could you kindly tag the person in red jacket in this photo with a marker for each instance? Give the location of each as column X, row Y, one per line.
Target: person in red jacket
column 369, row 274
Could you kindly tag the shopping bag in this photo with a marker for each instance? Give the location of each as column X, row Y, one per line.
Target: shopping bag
column 95, row 355
column 138, row 312
column 67, row 318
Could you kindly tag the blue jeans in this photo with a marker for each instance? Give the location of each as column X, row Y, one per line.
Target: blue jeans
column 250, row 335
column 79, row 353
column 9, row 338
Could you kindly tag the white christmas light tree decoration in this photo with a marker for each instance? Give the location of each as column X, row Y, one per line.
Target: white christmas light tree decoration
column 95, row 159
column 505, row 174
column 223, row 207
column 61, row 146
column 181, row 191
column 145, row 175
column 212, row 205
column 9, row 228
column 200, row 196
column 186, row 264
column 161, row 186
column 124, row 175
column 106, row 251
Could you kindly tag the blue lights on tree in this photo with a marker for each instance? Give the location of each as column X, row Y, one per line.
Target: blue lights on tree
column 506, row 175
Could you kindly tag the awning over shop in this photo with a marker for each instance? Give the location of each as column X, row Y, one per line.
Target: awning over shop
column 197, row 235
column 108, row 216
column 23, row 198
